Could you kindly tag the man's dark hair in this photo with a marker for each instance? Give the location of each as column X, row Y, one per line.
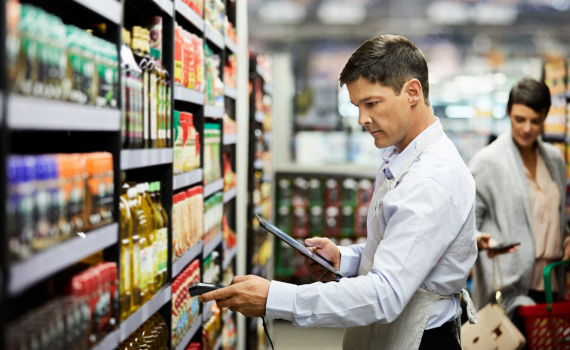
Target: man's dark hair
column 532, row 93
column 390, row 60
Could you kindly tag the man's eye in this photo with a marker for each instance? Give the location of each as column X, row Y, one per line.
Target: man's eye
column 372, row 104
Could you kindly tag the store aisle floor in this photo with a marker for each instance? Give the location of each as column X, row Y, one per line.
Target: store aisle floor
column 289, row 337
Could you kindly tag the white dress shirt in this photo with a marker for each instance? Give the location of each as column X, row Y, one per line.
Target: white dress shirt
column 428, row 240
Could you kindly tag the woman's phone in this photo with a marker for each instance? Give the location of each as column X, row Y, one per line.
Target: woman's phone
column 504, row 246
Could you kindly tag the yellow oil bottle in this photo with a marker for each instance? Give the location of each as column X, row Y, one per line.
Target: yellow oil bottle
column 147, row 275
column 162, row 232
column 140, row 226
column 154, row 238
column 126, row 236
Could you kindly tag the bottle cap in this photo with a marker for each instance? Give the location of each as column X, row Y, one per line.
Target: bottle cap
column 140, row 188
column 132, row 193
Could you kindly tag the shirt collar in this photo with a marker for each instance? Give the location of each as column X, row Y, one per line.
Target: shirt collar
column 395, row 160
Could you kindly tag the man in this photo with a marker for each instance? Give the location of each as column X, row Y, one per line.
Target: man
column 403, row 283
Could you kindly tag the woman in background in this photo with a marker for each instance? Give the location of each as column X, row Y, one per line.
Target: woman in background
column 521, row 197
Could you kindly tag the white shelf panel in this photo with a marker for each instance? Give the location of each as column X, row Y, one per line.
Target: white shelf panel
column 230, row 44
column 188, row 336
column 182, row 93
column 229, row 257
column 206, row 311
column 229, row 195
column 259, row 116
column 210, row 246
column 214, row 37
column 230, row 139
column 258, row 164
column 218, row 345
column 193, row 177
column 185, row 259
column 36, row 268
column 144, row 312
column 166, row 6
column 213, row 112
column 140, row 158
column 229, row 314
column 230, row 92
column 214, row 187
column 189, row 14
column 27, row 113
column 110, row 9
column 110, row 342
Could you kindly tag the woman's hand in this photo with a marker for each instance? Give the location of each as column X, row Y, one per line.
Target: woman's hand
column 485, row 242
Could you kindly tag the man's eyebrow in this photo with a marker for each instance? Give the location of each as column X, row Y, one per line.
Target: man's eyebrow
column 369, row 98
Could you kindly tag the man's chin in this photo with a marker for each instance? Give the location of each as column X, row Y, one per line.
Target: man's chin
column 382, row 143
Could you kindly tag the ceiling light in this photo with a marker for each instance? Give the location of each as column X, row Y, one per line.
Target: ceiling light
column 339, row 12
column 282, row 12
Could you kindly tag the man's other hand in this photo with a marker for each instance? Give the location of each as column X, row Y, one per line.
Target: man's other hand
column 328, row 250
column 246, row 295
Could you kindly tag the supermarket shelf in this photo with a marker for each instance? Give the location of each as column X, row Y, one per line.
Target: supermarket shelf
column 230, row 44
column 215, row 37
column 206, row 311
column 188, row 336
column 229, row 195
column 140, row 158
column 189, row 14
column 230, row 92
column 214, row 187
column 258, row 164
column 44, row 264
column 218, row 345
column 193, row 177
column 210, row 246
column 327, row 169
column 230, row 256
column 259, row 116
column 213, row 112
column 185, row 259
column 144, row 312
column 268, row 89
column 182, row 93
column 166, row 6
column 110, row 342
column 27, row 113
column 229, row 314
column 230, row 139
column 110, row 9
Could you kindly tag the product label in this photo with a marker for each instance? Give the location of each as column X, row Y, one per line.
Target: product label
column 162, row 234
column 145, row 267
column 137, row 265
column 153, row 102
column 126, row 267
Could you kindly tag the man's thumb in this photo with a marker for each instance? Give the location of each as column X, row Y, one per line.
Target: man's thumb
column 316, row 242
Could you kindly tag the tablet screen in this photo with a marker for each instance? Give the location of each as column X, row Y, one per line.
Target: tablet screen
column 298, row 246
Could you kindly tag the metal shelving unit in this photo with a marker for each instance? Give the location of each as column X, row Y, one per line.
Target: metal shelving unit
column 86, row 129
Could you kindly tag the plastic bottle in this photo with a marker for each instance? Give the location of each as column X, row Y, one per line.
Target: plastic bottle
column 154, row 238
column 138, row 47
column 162, row 233
column 139, row 229
column 147, row 277
column 126, row 236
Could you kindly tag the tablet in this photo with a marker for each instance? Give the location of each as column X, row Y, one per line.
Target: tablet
column 298, row 246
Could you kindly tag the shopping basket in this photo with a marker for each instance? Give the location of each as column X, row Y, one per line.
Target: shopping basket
column 548, row 325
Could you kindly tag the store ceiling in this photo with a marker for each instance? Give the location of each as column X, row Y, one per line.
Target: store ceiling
column 283, row 21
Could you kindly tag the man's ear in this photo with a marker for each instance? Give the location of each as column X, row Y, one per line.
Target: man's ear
column 413, row 90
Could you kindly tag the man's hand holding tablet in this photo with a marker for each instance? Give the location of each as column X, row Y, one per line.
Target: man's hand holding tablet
column 328, row 250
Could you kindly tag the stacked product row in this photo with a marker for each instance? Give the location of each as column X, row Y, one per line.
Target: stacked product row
column 188, row 59
column 151, row 335
column 48, row 59
column 187, row 220
column 143, row 232
column 212, row 146
column 213, row 214
column 53, row 197
column 146, row 88
column 186, row 143
column 214, row 84
column 77, row 320
column 185, row 309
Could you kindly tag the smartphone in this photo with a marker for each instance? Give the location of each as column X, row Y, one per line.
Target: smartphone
column 200, row 288
column 504, row 246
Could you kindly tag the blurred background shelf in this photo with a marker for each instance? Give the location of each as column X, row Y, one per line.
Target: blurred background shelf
column 140, row 158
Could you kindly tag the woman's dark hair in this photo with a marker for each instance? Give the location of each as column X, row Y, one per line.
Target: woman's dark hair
column 390, row 60
column 532, row 93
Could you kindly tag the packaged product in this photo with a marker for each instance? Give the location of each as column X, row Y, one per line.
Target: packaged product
column 178, row 55
column 156, row 38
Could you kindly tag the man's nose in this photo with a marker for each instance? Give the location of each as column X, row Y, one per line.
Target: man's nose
column 362, row 118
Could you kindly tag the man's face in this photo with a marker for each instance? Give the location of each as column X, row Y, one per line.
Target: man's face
column 383, row 114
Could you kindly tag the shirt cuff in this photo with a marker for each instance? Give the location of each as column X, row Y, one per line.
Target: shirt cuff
column 349, row 261
column 280, row 301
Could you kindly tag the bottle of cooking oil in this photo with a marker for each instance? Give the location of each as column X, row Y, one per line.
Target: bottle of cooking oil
column 140, row 226
column 154, row 237
column 126, row 231
column 147, row 277
column 162, row 231
column 138, row 48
